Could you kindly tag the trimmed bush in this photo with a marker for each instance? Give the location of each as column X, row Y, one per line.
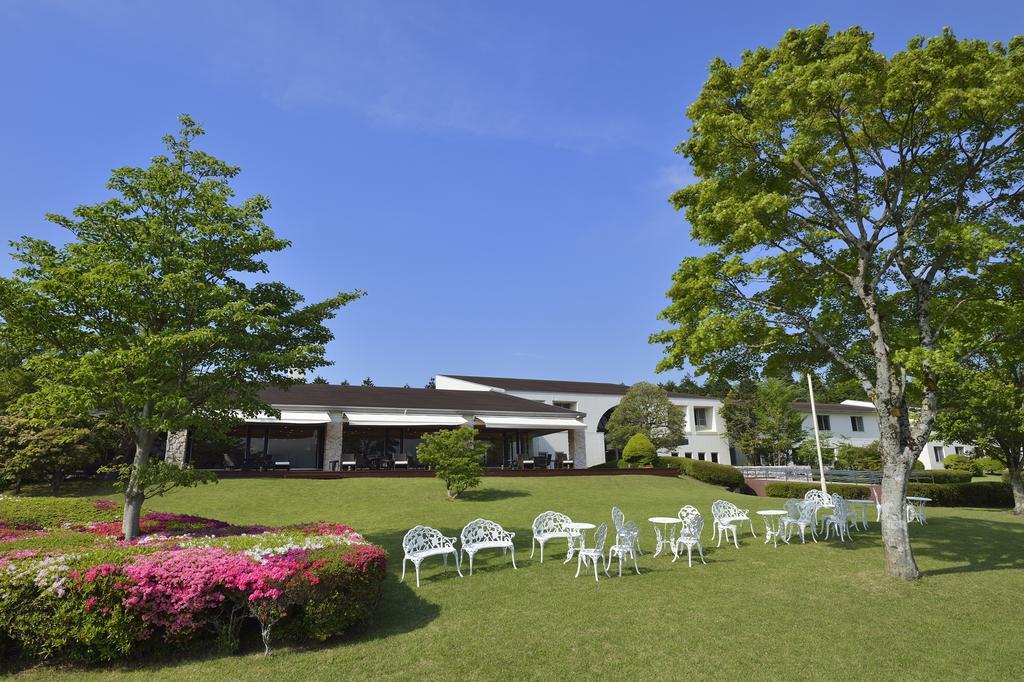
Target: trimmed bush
column 639, row 451
column 797, row 489
column 962, row 463
column 981, row 494
column 941, row 476
column 710, row 472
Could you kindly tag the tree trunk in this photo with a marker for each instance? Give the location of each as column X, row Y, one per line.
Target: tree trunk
column 134, row 495
column 898, row 456
column 18, row 478
column 1016, row 485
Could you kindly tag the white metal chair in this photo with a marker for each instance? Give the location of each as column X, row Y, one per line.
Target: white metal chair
column 422, row 542
column 800, row 514
column 820, row 499
column 593, row 554
column 726, row 515
column 838, row 520
column 625, row 542
column 483, row 534
column 689, row 534
column 634, row 529
column 550, row 525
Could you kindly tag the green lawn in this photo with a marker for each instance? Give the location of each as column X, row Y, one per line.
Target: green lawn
column 811, row 611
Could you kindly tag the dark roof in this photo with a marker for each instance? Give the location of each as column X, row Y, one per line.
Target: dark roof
column 834, row 407
column 328, row 395
column 556, row 386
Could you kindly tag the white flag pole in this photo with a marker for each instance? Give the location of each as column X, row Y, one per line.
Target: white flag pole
column 817, row 438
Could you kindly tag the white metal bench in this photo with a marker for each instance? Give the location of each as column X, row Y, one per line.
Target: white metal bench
column 422, row 542
column 726, row 515
column 483, row 534
column 550, row 525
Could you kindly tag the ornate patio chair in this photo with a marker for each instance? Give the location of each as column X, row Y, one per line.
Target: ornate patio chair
column 593, row 554
column 634, row 529
column 483, row 534
column 625, row 541
column 838, row 520
column 801, row 515
column 726, row 516
column 821, row 500
column 549, row 525
column 689, row 534
column 422, row 542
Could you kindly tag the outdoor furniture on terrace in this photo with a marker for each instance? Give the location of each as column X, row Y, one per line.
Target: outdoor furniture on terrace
column 422, row 542
column 625, row 533
column 579, row 540
column 773, row 525
column 821, row 500
column 594, row 554
column 549, row 525
column 483, row 534
column 282, row 466
column 726, row 513
column 689, row 534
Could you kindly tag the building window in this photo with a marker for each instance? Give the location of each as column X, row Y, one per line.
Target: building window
column 857, row 423
column 700, row 456
column 688, row 454
column 958, row 449
column 700, row 418
column 938, row 451
column 714, row 457
column 824, row 423
column 565, row 404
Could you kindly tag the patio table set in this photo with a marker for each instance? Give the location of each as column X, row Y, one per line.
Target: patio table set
column 676, row 533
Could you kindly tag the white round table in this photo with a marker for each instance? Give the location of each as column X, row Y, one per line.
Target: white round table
column 667, row 535
column 863, row 504
column 772, row 532
column 920, row 501
column 581, row 528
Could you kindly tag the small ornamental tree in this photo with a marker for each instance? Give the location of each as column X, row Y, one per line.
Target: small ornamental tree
column 639, row 451
column 764, row 423
column 34, row 452
column 155, row 314
column 647, row 409
column 455, row 456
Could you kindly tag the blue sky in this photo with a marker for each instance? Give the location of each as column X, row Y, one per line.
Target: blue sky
column 494, row 175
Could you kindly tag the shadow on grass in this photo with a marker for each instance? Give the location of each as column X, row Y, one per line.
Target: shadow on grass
column 974, row 544
column 492, row 494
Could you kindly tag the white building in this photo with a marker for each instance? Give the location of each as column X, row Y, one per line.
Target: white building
column 704, row 428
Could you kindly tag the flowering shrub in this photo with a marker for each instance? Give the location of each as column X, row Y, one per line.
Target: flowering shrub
column 187, row 579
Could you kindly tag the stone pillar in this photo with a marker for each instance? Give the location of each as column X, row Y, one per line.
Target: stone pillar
column 578, row 448
column 332, row 440
column 177, row 443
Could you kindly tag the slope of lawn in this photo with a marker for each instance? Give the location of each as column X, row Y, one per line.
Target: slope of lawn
column 814, row 611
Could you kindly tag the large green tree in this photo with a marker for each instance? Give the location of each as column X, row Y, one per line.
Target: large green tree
column 647, row 409
column 763, row 423
column 154, row 314
column 850, row 204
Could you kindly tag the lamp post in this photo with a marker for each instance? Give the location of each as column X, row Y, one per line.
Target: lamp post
column 817, row 438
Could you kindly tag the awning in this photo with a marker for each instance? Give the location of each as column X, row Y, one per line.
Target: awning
column 538, row 423
column 397, row 419
column 288, row 417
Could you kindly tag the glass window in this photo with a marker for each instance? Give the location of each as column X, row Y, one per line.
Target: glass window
column 221, row 453
column 958, row 449
column 297, row 444
column 937, row 449
column 714, row 457
column 700, row 418
column 857, row 423
column 700, row 456
column 824, row 422
column 688, row 454
column 365, row 444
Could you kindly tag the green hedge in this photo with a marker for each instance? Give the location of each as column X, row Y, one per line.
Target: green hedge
column 941, row 476
column 49, row 512
column 796, row 489
column 708, row 472
column 981, row 494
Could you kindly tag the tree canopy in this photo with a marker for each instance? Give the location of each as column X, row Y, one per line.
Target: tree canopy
column 647, row 409
column 155, row 314
column 853, row 206
column 456, row 458
column 763, row 423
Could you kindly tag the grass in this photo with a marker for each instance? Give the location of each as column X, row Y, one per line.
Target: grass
column 813, row 611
